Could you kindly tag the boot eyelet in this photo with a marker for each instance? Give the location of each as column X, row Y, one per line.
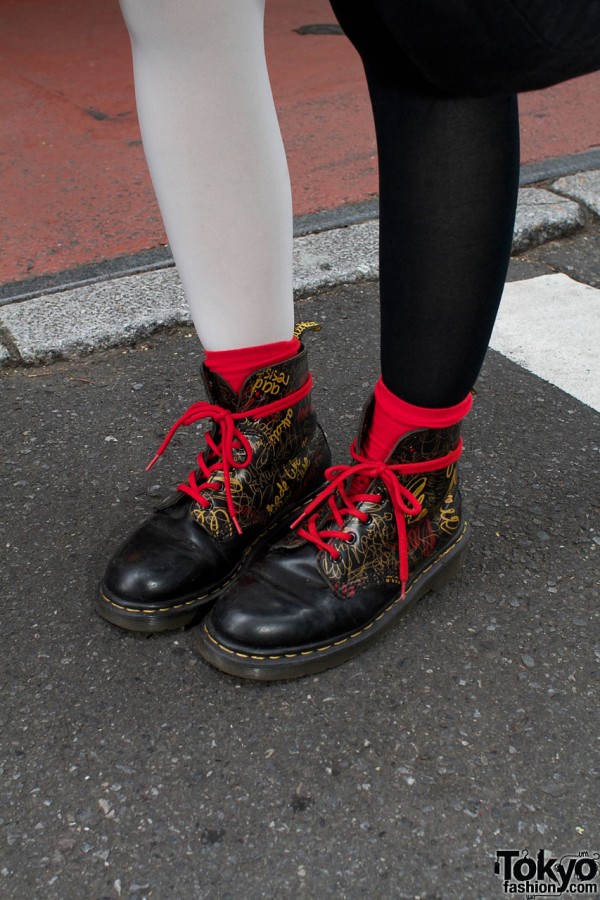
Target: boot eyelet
column 351, row 539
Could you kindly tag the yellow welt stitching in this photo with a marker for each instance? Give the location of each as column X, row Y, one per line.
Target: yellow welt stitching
column 357, row 633
column 150, row 612
column 116, row 605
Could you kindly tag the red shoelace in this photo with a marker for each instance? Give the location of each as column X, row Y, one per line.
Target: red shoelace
column 230, row 440
column 342, row 500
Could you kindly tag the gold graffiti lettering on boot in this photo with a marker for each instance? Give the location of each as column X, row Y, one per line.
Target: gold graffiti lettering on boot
column 417, row 486
column 373, row 557
column 449, row 518
column 214, row 520
column 452, row 476
column 270, row 382
column 274, row 436
column 282, row 487
column 296, row 468
column 294, row 471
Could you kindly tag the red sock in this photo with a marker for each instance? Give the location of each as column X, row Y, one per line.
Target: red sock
column 393, row 418
column 236, row 365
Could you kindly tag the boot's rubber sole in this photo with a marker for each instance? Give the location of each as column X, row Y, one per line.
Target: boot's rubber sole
column 308, row 661
column 189, row 611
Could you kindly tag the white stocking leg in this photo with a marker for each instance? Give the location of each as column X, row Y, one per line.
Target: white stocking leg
column 217, row 162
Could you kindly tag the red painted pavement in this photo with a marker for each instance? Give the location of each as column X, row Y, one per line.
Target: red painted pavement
column 73, row 182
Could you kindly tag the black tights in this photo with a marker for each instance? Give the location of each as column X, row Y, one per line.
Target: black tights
column 448, row 180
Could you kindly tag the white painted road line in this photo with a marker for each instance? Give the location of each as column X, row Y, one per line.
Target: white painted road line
column 551, row 326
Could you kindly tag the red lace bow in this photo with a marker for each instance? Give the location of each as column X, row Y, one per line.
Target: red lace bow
column 363, row 471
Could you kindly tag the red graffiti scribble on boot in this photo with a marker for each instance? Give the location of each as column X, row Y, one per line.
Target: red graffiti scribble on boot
column 422, row 537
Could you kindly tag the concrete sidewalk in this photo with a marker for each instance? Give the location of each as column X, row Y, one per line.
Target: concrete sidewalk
column 117, row 311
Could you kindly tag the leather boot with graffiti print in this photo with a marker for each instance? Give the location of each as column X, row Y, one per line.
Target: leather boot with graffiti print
column 373, row 542
column 266, row 455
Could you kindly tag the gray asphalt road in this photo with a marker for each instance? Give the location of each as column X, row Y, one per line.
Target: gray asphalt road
column 131, row 769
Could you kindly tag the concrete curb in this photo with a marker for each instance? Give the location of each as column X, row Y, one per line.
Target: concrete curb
column 584, row 187
column 122, row 310
column 543, row 216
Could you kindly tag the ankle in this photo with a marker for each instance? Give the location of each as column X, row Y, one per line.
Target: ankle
column 394, row 417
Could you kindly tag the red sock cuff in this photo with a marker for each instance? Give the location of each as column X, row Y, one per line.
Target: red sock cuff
column 236, row 365
column 420, row 416
column 393, row 418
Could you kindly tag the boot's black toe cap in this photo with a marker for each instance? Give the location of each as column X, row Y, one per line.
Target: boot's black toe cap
column 283, row 604
column 156, row 568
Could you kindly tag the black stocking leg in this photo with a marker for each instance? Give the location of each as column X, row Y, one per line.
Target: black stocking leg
column 448, row 169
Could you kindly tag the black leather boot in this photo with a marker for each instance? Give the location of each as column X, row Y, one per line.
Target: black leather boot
column 379, row 537
column 265, row 456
